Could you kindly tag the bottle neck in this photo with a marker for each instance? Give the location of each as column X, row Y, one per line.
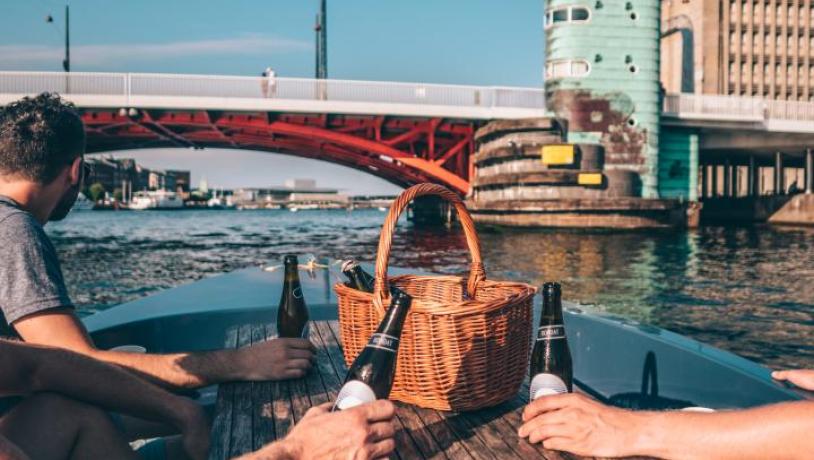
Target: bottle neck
column 552, row 309
column 291, row 272
column 393, row 320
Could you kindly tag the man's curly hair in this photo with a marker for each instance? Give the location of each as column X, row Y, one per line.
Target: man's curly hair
column 39, row 137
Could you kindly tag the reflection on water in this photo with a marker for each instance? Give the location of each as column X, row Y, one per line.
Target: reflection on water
column 749, row 290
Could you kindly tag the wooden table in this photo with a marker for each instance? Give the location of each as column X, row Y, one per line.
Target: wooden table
column 251, row 414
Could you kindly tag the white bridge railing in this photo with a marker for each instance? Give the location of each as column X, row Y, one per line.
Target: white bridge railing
column 306, row 94
column 736, row 108
column 133, row 85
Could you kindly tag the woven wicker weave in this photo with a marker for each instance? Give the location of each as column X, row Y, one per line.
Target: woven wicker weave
column 465, row 343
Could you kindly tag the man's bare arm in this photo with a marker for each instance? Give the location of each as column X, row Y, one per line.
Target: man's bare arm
column 580, row 425
column 34, row 368
column 774, row 431
column 272, row 360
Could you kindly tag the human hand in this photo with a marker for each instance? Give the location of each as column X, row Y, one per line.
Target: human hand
column 577, row 424
column 361, row 433
column 276, row 359
column 803, row 378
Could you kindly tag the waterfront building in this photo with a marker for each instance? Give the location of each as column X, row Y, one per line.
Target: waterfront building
column 125, row 176
column 295, row 193
column 739, row 47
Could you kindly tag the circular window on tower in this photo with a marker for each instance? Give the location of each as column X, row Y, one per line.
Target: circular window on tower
column 634, row 16
column 632, row 122
column 633, row 68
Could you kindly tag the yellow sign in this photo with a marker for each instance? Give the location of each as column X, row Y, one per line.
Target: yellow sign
column 560, row 154
column 589, row 179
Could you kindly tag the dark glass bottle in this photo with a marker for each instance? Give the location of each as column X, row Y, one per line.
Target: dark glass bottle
column 357, row 277
column 292, row 314
column 551, row 368
column 371, row 375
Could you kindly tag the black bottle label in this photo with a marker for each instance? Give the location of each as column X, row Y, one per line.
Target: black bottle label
column 555, row 331
column 384, row 342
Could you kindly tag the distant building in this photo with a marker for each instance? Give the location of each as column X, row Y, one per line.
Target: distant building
column 738, row 47
column 296, row 192
column 126, row 176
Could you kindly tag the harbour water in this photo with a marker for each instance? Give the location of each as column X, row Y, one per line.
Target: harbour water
column 749, row 290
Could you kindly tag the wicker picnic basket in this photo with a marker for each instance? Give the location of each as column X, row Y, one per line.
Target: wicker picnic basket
column 465, row 343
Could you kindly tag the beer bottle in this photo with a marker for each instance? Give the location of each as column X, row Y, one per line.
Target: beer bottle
column 292, row 315
column 357, row 278
column 551, row 368
column 371, row 375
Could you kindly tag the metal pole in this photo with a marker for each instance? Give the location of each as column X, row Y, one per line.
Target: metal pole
column 809, row 171
column 66, row 64
column 323, row 22
column 779, row 187
column 727, row 178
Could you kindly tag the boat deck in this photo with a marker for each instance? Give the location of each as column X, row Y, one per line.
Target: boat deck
column 249, row 415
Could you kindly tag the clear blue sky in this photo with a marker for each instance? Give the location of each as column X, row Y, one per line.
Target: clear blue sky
column 482, row 42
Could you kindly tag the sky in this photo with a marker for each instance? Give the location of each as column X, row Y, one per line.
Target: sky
column 478, row 42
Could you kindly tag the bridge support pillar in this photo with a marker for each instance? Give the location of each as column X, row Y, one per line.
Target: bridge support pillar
column 430, row 211
column 703, row 179
column 727, row 178
column 735, row 179
column 779, row 186
column 714, row 170
column 809, row 171
column 751, row 177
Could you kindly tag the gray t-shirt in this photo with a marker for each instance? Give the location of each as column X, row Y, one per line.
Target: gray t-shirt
column 30, row 276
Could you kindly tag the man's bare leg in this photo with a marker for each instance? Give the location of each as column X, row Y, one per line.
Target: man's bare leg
column 49, row 426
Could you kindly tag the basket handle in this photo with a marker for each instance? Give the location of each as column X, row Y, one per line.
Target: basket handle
column 476, row 271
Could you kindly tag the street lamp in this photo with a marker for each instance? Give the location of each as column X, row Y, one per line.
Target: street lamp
column 66, row 63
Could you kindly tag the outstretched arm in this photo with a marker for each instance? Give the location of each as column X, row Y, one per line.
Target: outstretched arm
column 271, row 360
column 803, row 378
column 31, row 369
column 575, row 423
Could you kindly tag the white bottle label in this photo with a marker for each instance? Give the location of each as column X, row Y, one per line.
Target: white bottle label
column 546, row 385
column 384, row 342
column 352, row 394
column 556, row 331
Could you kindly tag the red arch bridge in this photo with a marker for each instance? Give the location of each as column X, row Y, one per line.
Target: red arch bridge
column 404, row 133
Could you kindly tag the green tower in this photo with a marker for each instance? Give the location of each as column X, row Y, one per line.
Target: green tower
column 602, row 76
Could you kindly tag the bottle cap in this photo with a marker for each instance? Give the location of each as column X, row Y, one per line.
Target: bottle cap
column 349, row 264
column 399, row 297
column 550, row 288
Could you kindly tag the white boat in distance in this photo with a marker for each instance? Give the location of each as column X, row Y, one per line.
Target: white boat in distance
column 82, row 203
column 159, row 199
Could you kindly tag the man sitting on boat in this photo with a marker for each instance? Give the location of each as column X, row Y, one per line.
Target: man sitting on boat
column 51, row 422
column 42, row 144
column 578, row 424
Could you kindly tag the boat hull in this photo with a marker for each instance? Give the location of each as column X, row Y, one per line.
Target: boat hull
column 616, row 360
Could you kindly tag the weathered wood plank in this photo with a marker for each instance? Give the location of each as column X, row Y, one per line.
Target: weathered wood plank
column 406, row 445
column 262, row 411
column 283, row 415
column 423, row 438
column 242, row 406
column 222, row 423
column 446, row 437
